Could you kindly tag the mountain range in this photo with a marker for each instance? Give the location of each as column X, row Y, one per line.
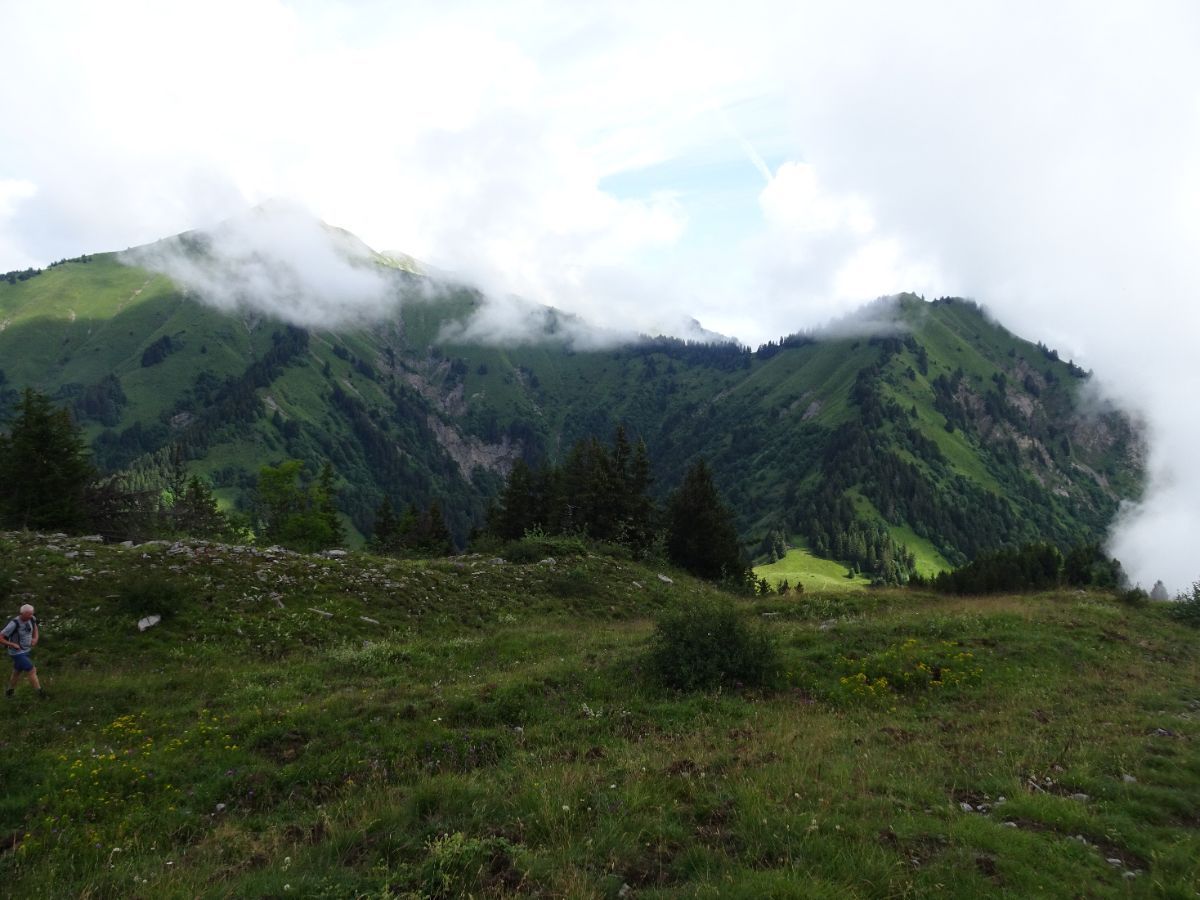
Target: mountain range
column 914, row 424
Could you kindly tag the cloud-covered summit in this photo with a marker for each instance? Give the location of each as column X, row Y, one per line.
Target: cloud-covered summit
column 280, row 261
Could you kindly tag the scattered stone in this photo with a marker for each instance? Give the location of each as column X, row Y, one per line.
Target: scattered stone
column 1163, row 732
column 827, row 624
column 71, row 554
column 664, row 579
column 1001, row 800
column 1130, row 875
column 149, row 622
column 769, row 615
column 1082, row 798
column 497, row 561
column 93, row 538
column 321, row 612
column 126, row 544
column 625, row 890
column 334, row 554
column 638, row 585
column 966, row 807
column 1010, row 824
column 1113, row 861
column 220, row 807
column 279, row 603
column 369, row 619
column 548, row 561
column 1129, row 779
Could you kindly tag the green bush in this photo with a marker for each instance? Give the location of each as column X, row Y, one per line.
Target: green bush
column 907, row 667
column 573, row 583
column 1134, row 596
column 1186, row 608
column 536, row 546
column 143, row 595
column 459, row 866
column 706, row 643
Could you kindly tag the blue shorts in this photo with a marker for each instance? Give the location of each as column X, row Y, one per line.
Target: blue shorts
column 22, row 662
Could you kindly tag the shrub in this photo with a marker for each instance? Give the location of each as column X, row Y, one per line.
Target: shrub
column 536, row 546
column 458, row 865
column 143, row 595
column 572, row 583
column 1134, row 596
column 706, row 643
column 1187, row 606
column 909, row 667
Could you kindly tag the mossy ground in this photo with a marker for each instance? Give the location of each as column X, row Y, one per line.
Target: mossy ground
column 496, row 733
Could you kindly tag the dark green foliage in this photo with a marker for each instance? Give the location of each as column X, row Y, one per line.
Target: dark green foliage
column 194, row 512
column 1134, row 596
column 1034, row 567
column 536, row 546
column 385, row 534
column 158, row 351
column 44, row 469
column 102, row 402
column 700, row 533
column 144, row 595
column 1086, row 565
column 709, row 643
column 416, row 533
column 461, row 866
column 1186, row 608
column 596, row 492
column 573, row 583
column 296, row 515
column 20, row 275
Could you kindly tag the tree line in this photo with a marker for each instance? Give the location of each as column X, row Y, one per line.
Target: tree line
column 602, row 493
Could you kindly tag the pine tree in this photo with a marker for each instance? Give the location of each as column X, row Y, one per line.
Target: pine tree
column 44, row 468
column 437, row 539
column 325, row 502
column 196, row 512
column 386, row 532
column 701, row 536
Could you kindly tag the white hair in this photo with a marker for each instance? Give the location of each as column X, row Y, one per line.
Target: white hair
column 26, row 608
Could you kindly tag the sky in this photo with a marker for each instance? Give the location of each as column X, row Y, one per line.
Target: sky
column 758, row 167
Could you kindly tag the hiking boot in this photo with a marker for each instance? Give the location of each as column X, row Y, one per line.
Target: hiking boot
column 43, row 695
column 8, row 692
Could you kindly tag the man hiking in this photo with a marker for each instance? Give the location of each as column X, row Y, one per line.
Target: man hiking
column 20, row 636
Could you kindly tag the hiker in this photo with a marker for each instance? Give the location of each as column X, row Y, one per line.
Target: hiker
column 20, row 636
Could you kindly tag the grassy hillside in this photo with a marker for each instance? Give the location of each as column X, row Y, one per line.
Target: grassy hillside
column 475, row 726
column 800, row 568
column 959, row 413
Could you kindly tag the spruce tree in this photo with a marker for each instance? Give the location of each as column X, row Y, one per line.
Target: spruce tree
column 386, row 532
column 325, row 502
column 437, row 539
column 196, row 512
column 44, row 468
column 701, row 536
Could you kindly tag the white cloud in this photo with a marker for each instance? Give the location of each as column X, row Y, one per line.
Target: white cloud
column 280, row 261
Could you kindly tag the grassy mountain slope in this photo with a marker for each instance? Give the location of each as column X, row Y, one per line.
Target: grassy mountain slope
column 976, row 417
column 490, row 729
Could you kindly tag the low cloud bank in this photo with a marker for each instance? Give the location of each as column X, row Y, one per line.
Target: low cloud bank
column 280, row 261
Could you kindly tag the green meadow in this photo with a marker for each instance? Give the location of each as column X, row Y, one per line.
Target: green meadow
column 301, row 726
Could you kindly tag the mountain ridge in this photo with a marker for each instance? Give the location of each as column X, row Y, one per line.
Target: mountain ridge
column 946, row 403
